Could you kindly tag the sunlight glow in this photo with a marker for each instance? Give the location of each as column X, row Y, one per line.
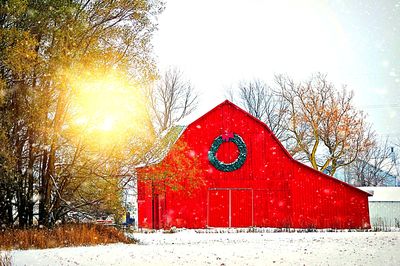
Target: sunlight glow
column 108, row 123
column 107, row 109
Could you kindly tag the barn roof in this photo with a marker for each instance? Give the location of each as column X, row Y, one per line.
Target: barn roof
column 161, row 148
column 383, row 193
column 227, row 102
column 165, row 148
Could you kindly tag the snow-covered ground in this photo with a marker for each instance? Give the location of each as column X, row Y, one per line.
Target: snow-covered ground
column 190, row 248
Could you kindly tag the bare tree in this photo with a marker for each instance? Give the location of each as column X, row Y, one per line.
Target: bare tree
column 374, row 166
column 260, row 101
column 396, row 157
column 171, row 99
column 324, row 127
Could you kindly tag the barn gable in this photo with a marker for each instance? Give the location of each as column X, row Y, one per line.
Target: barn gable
column 269, row 189
column 229, row 113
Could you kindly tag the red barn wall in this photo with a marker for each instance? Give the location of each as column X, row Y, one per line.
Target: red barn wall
column 271, row 189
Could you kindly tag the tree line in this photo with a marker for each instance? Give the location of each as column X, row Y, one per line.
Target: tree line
column 47, row 168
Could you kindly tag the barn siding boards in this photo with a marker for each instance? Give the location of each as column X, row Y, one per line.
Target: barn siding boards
column 270, row 189
column 385, row 214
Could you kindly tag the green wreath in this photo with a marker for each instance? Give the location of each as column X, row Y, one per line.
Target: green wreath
column 227, row 167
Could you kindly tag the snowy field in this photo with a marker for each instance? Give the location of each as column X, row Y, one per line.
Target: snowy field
column 191, row 248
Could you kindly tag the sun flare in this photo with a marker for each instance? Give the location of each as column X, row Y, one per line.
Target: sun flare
column 107, row 108
column 107, row 124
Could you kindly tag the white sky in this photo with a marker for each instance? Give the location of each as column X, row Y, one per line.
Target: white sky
column 217, row 43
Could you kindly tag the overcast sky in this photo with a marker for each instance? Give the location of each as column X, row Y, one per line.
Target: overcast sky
column 218, row 43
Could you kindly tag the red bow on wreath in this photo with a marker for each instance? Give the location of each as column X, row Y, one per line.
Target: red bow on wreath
column 227, row 136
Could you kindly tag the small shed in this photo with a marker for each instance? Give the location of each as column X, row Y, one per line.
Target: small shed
column 384, row 206
column 248, row 179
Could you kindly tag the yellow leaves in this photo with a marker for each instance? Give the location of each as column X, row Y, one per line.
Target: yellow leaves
column 20, row 54
column 178, row 171
column 16, row 7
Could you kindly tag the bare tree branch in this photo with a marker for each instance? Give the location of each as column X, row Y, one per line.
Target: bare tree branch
column 172, row 99
column 259, row 100
column 324, row 127
column 374, row 166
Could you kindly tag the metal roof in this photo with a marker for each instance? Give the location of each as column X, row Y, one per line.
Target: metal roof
column 161, row 148
column 383, row 193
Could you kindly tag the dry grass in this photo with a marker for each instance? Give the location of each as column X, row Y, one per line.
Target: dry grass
column 61, row 236
column 5, row 259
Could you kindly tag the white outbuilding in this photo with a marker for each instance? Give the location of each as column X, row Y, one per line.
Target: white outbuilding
column 384, row 206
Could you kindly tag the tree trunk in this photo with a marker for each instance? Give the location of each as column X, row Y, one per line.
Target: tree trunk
column 9, row 207
column 42, row 190
column 30, row 171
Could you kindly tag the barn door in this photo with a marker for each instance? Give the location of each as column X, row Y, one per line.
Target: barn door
column 158, row 211
column 155, row 206
column 230, row 208
column 218, row 208
column 241, row 208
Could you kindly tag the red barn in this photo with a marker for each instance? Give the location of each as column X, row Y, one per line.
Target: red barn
column 248, row 179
